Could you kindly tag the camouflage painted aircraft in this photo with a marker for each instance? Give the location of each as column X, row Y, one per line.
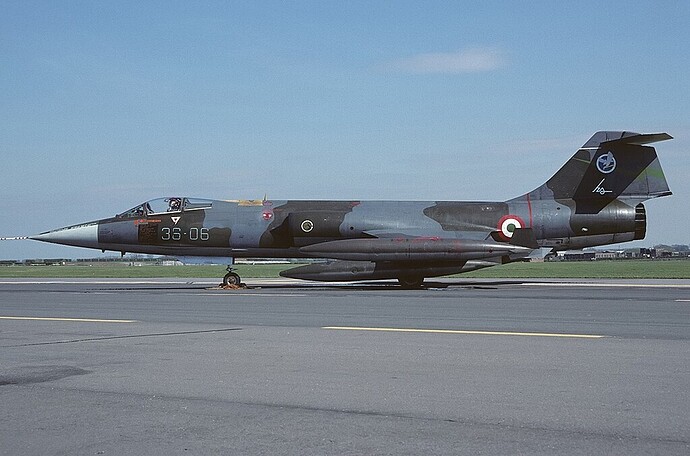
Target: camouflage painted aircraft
column 594, row 199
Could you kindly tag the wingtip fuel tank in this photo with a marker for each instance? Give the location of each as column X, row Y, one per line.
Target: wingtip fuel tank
column 412, row 249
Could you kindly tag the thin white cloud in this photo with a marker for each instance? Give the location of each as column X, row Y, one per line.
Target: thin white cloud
column 467, row 60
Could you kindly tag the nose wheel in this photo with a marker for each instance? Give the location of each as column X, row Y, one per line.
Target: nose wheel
column 231, row 278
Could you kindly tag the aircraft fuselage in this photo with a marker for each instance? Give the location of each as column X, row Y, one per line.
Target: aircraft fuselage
column 594, row 199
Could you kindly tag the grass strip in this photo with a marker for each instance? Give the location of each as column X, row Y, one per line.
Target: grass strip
column 601, row 269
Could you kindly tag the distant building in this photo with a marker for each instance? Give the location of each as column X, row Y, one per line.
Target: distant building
column 605, row 255
column 577, row 255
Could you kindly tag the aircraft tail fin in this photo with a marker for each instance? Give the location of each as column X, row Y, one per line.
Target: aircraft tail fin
column 611, row 165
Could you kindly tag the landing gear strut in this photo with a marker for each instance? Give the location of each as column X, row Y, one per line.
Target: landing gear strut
column 231, row 278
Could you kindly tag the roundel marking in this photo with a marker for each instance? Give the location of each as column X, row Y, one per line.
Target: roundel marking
column 606, row 163
column 508, row 224
column 307, row 226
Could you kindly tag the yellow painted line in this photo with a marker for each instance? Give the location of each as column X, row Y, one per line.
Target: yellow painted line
column 81, row 320
column 458, row 331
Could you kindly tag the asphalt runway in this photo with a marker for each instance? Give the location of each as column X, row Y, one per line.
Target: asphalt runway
column 461, row 367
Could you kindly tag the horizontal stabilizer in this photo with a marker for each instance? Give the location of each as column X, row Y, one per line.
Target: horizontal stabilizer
column 640, row 139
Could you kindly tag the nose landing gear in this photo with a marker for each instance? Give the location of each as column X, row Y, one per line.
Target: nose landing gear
column 231, row 278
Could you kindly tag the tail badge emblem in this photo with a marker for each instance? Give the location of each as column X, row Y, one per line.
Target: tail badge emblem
column 606, row 163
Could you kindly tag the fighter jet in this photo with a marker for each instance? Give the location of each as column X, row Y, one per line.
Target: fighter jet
column 594, row 199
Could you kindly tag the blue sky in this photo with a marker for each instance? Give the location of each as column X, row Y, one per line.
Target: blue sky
column 107, row 104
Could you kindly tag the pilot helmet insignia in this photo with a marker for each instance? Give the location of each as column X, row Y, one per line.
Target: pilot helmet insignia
column 606, row 163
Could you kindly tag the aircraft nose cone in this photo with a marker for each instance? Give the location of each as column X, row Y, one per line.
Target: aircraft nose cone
column 84, row 235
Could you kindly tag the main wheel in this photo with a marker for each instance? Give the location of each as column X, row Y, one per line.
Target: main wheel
column 411, row 282
column 231, row 278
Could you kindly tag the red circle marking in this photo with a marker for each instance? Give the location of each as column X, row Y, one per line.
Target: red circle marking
column 503, row 231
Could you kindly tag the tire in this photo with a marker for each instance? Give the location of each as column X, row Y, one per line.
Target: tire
column 411, row 282
column 231, row 278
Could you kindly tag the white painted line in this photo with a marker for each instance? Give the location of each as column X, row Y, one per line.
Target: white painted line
column 309, row 284
column 80, row 320
column 601, row 284
column 98, row 282
column 457, row 331
column 181, row 281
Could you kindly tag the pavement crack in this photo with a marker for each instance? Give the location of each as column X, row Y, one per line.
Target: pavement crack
column 128, row 336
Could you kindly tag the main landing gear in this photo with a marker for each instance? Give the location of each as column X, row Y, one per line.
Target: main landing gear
column 411, row 282
column 231, row 279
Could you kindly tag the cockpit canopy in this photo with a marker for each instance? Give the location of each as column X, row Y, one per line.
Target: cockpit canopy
column 168, row 205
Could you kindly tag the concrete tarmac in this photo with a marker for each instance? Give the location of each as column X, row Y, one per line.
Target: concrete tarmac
column 462, row 367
